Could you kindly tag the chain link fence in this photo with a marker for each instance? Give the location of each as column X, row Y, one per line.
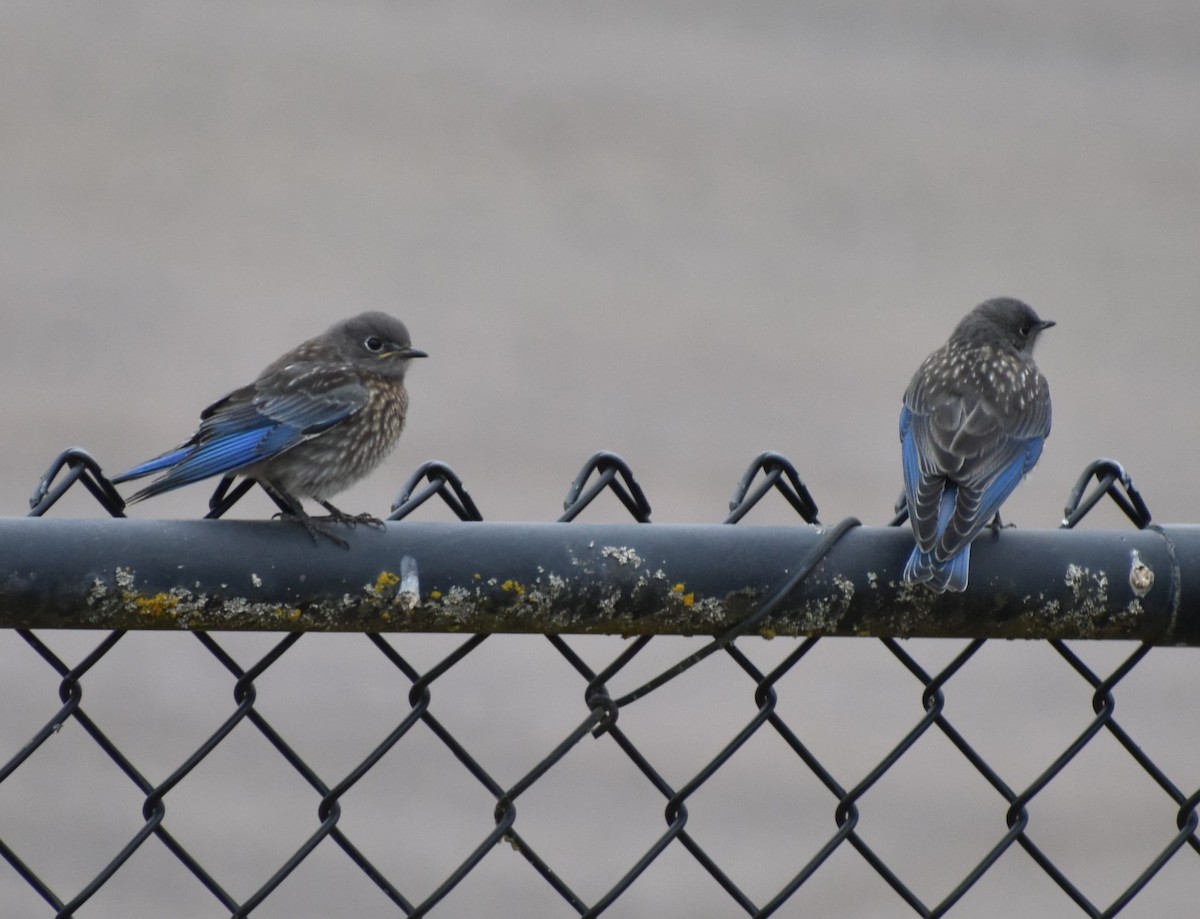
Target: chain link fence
column 727, row 776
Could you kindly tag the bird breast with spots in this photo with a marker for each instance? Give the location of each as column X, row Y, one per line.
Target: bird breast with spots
column 322, row 466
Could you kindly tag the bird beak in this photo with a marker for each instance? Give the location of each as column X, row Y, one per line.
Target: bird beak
column 1046, row 323
column 406, row 353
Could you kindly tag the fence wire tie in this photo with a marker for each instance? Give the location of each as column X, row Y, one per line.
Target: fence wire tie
column 778, row 473
column 613, row 472
column 80, row 466
column 442, row 481
column 1108, row 474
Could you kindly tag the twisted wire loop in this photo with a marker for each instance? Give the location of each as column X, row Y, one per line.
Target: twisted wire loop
column 1113, row 481
column 610, row 472
column 777, row 472
column 79, row 466
column 439, row 480
column 603, row 721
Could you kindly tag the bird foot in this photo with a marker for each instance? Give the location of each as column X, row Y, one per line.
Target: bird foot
column 313, row 526
column 997, row 525
column 338, row 516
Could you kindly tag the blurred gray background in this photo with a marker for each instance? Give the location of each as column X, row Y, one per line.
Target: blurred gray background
column 683, row 232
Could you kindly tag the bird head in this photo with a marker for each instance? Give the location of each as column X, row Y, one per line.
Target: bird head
column 376, row 343
column 1010, row 320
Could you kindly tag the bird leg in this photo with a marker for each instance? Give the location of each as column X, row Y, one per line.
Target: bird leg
column 291, row 509
column 339, row 516
column 313, row 526
column 997, row 524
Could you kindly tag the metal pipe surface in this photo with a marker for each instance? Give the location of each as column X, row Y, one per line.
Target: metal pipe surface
column 588, row 578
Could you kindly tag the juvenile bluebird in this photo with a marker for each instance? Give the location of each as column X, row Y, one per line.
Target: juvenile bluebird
column 314, row 422
column 974, row 420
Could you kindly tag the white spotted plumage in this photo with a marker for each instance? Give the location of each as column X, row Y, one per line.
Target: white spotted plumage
column 974, row 419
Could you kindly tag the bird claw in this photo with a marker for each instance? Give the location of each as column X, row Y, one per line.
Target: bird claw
column 312, row 525
column 355, row 519
column 319, row 526
column 997, row 525
column 338, row 516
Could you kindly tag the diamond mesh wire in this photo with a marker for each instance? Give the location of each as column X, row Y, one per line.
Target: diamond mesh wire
column 679, row 799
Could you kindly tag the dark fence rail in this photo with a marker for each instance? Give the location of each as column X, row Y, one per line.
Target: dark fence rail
column 587, row 578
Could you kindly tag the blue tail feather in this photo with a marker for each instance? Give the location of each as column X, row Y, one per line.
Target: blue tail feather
column 939, row 576
column 157, row 464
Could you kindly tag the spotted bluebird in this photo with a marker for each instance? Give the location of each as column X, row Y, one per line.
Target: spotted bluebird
column 974, row 420
column 314, row 422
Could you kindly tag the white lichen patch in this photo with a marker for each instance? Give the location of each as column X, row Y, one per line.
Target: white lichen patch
column 1086, row 584
column 1089, row 591
column 624, row 555
column 123, row 578
column 608, row 603
column 825, row 614
column 845, row 585
column 708, row 609
column 458, row 603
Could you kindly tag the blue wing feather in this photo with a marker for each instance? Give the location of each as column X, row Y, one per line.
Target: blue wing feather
column 912, row 462
column 246, row 428
column 213, row 458
column 1006, row 480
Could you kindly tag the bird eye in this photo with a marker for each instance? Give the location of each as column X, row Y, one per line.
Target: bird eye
column 1025, row 330
column 374, row 343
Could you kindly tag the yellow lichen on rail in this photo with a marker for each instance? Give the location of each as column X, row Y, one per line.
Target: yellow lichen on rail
column 156, row 606
column 687, row 599
column 385, row 583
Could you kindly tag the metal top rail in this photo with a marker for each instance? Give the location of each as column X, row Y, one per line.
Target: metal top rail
column 591, row 578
